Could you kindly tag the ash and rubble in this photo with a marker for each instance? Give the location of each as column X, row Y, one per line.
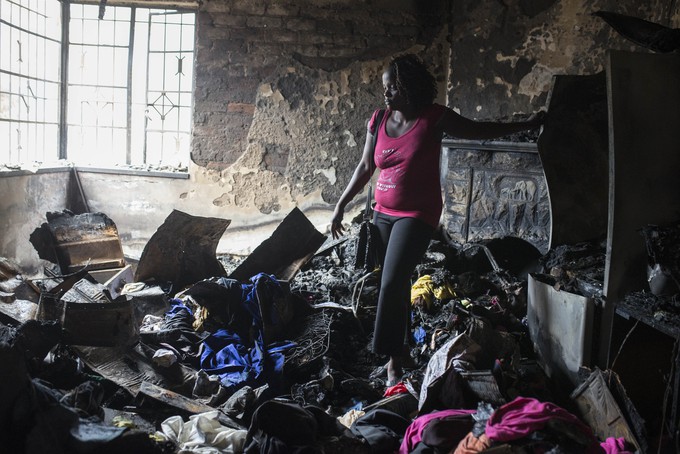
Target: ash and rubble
column 469, row 345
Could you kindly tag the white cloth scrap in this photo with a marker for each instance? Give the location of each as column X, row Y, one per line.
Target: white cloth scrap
column 202, row 434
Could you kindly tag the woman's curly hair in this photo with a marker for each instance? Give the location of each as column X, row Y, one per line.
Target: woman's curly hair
column 414, row 81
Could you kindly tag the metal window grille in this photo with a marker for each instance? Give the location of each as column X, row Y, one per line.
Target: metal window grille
column 30, row 45
column 119, row 91
column 130, row 95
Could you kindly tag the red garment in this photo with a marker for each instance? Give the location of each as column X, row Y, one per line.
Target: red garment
column 399, row 388
column 408, row 184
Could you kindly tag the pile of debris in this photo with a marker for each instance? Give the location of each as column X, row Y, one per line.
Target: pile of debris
column 187, row 352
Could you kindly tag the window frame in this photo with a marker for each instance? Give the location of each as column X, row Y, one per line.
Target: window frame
column 132, row 156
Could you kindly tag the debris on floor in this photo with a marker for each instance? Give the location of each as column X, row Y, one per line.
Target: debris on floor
column 270, row 353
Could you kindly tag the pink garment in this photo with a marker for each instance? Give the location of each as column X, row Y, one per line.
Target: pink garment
column 408, row 184
column 523, row 416
column 615, row 446
column 414, row 432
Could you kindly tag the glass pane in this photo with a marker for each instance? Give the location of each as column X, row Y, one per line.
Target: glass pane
column 5, row 55
column 184, row 119
column 30, row 55
column 53, row 20
column 88, row 65
column 106, row 29
column 75, row 31
column 156, row 70
column 123, row 14
column 52, row 60
column 120, row 66
column 156, row 38
column 120, row 108
column 173, row 33
column 187, row 38
column 51, row 142
column 122, row 33
column 91, row 11
column 171, row 79
column 105, row 66
column 75, row 64
column 154, row 147
column 76, row 11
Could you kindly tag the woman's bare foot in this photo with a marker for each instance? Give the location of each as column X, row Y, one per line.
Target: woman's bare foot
column 395, row 370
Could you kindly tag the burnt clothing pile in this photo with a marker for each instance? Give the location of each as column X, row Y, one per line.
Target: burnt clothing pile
column 271, row 365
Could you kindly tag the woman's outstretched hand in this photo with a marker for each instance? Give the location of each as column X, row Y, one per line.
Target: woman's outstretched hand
column 336, row 224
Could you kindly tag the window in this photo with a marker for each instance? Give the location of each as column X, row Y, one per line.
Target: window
column 126, row 93
column 30, row 35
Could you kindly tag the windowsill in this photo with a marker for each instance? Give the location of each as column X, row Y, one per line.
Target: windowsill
column 13, row 172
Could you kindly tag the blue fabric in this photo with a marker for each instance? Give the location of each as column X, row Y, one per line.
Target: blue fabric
column 177, row 307
column 230, row 357
column 419, row 335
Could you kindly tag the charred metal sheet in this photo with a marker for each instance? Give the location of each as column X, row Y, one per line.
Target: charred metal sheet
column 130, row 367
column 601, row 411
column 282, row 255
column 574, row 152
column 77, row 241
column 87, row 314
column 183, row 403
column 183, row 250
column 494, row 190
column 561, row 328
column 50, row 306
column 107, row 324
column 86, row 292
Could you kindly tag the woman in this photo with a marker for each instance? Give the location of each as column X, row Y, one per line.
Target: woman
column 408, row 193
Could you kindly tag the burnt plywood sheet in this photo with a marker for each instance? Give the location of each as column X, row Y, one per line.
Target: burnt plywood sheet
column 282, row 255
column 574, row 153
column 183, row 250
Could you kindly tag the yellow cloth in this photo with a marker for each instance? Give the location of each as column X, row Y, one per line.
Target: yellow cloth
column 423, row 291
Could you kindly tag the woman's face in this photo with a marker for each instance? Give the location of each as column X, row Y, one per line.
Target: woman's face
column 394, row 99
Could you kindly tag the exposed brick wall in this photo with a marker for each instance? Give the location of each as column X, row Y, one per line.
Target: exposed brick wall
column 243, row 44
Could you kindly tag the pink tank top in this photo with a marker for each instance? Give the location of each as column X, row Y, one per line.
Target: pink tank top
column 408, row 183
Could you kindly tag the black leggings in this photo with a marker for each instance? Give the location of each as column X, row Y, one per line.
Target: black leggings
column 405, row 240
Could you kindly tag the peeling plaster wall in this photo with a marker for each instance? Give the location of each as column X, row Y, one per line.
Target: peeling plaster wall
column 504, row 53
column 25, row 200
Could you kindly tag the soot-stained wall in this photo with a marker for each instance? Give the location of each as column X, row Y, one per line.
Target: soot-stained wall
column 283, row 89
